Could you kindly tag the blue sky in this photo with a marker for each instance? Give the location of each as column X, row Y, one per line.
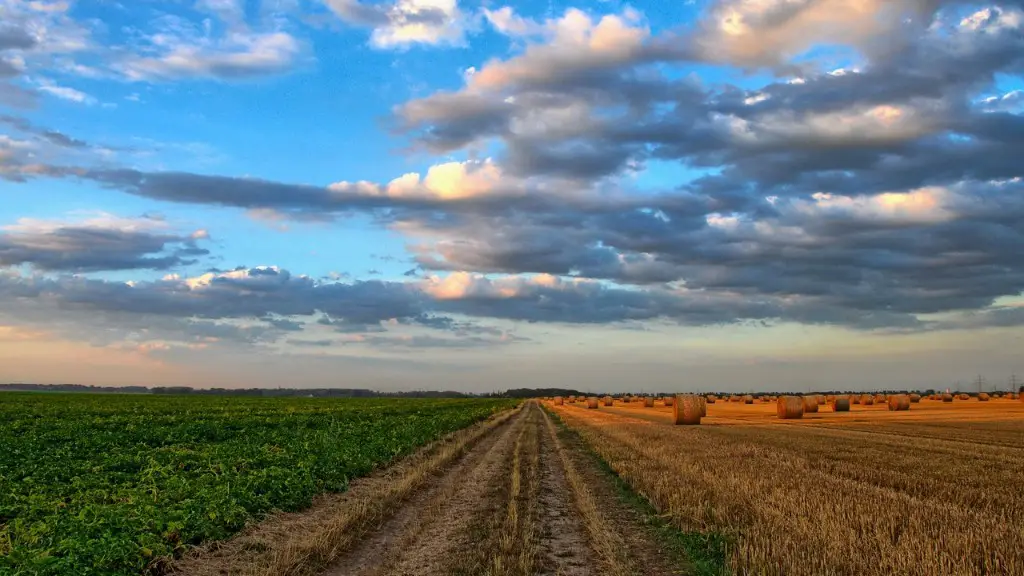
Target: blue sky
column 473, row 195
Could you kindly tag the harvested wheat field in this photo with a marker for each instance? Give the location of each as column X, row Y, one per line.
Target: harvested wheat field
column 517, row 494
column 936, row 489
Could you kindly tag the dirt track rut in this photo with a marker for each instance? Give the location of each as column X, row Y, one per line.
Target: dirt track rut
column 511, row 506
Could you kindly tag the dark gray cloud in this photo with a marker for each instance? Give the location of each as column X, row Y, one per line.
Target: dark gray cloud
column 15, row 38
column 52, row 136
column 868, row 198
column 97, row 247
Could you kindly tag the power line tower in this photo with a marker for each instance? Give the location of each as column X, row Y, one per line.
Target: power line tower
column 980, row 382
column 1014, row 382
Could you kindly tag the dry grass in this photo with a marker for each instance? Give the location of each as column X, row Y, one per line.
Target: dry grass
column 518, row 547
column 307, row 542
column 935, row 490
column 609, row 545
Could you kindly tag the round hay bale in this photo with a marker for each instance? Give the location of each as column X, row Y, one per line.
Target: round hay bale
column 840, row 403
column 867, row 400
column 765, row 399
column 790, row 407
column 854, row 399
column 592, row 403
column 982, row 397
column 669, row 400
column 915, row 398
column 947, row 397
column 880, row 399
column 735, row 399
column 810, row 404
column 688, row 409
column 748, row 399
column 899, row 402
column 608, row 401
column 649, row 402
column 559, row 401
column 709, row 399
column 964, row 397
column 822, row 400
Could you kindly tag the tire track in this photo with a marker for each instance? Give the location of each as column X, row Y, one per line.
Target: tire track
column 433, row 528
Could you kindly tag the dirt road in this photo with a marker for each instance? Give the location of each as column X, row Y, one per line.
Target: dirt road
column 514, row 495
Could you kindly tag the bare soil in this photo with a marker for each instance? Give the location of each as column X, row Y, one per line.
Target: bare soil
column 512, row 496
column 460, row 522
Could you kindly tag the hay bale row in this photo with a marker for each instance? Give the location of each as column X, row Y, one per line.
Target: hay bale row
column 688, row 409
column 899, row 402
column 790, row 407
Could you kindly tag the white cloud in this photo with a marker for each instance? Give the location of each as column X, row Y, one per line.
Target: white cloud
column 445, row 181
column 770, row 32
column 505, row 21
column 573, row 42
column 65, row 92
column 420, row 22
column 405, row 22
column 237, row 55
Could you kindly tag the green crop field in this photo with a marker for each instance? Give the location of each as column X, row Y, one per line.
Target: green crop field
column 110, row 484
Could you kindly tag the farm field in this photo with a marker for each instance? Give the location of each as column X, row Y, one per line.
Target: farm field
column 512, row 489
column 518, row 494
column 117, row 484
column 936, row 490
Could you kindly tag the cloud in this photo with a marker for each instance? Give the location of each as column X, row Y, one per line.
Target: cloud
column 405, row 22
column 99, row 242
column 756, row 33
column 237, row 55
column 65, row 92
column 15, row 38
column 52, row 136
column 875, row 196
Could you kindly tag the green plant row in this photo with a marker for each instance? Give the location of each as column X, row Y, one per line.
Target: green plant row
column 111, row 484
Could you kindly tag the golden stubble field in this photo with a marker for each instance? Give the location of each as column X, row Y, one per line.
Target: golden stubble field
column 936, row 490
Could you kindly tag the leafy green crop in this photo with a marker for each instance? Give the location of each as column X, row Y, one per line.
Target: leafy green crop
column 105, row 484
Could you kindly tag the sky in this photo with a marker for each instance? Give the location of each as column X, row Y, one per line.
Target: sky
column 731, row 195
